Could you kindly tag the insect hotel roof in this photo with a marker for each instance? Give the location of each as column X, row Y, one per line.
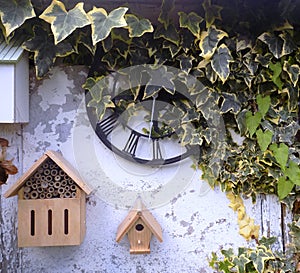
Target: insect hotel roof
column 61, row 162
column 139, row 211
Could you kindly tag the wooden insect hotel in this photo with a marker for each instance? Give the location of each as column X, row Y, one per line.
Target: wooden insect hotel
column 139, row 225
column 51, row 203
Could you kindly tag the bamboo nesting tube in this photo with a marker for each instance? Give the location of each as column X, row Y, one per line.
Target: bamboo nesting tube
column 52, row 166
column 57, row 184
column 73, row 187
column 51, row 189
column 54, row 172
column 26, row 196
column 44, row 184
column 61, row 173
column 27, row 189
column 48, row 178
column 60, row 190
column 33, row 195
column 42, row 195
column 57, row 178
column 47, row 172
column 73, row 194
column 34, row 186
column 64, row 183
column 40, row 189
column 67, row 194
column 45, row 166
column 37, row 175
column 49, row 195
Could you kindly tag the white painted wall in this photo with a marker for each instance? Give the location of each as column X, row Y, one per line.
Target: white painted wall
column 195, row 220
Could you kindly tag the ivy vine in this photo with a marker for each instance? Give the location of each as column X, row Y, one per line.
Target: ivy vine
column 249, row 68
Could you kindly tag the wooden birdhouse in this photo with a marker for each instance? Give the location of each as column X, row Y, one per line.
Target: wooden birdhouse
column 51, row 203
column 139, row 225
column 14, row 78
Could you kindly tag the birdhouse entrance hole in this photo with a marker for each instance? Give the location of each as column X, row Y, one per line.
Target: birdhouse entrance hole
column 139, row 227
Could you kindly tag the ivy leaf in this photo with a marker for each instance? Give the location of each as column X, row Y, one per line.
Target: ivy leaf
column 45, row 52
column 190, row 21
column 170, row 34
column 212, row 12
column 220, row 62
column 209, row 41
column 137, row 27
column 263, row 104
column 252, row 122
column 284, row 187
column 293, row 172
column 276, row 68
column 64, row 22
column 166, row 9
column 185, row 62
column 293, row 72
column 14, row 13
column 264, row 139
column 279, row 46
column 241, row 262
column 102, row 105
column 260, row 257
column 225, row 266
column 190, row 135
column 281, row 154
column 230, row 103
column 103, row 23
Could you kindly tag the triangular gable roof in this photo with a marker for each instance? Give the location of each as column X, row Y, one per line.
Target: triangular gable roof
column 60, row 161
column 139, row 211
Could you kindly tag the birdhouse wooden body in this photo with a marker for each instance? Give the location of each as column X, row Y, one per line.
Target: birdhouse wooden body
column 14, row 78
column 51, row 203
column 139, row 225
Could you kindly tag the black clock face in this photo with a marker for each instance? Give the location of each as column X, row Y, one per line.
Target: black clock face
column 145, row 131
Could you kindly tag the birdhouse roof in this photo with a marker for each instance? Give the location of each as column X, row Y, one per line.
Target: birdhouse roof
column 61, row 162
column 10, row 52
column 139, row 211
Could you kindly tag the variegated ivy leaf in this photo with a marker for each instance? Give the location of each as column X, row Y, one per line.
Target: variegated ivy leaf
column 281, row 154
column 220, row 62
column 101, row 105
column 190, row 135
column 252, row 122
column 190, row 21
column 264, row 139
column 137, row 27
column 111, row 58
column 260, row 257
column 103, row 23
column 45, row 52
column 96, row 87
column 241, row 262
column 278, row 45
column 185, row 62
column 166, row 9
column 230, row 103
column 14, row 13
column 212, row 12
column 170, row 33
column 209, row 41
column 64, row 22
column 293, row 71
column 284, row 187
column 174, row 49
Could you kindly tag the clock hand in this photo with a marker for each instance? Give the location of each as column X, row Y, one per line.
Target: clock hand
column 152, row 115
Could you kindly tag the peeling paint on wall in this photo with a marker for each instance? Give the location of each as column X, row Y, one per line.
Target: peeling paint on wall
column 194, row 222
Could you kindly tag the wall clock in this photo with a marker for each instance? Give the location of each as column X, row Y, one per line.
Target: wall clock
column 143, row 126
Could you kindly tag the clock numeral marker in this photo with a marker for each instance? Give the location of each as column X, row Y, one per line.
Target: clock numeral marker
column 157, row 154
column 131, row 144
column 108, row 124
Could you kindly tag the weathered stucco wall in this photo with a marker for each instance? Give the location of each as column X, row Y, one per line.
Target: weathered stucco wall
column 195, row 220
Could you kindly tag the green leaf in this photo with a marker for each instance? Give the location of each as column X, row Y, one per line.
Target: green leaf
column 220, row 62
column 240, row 263
column 64, row 22
column 45, row 52
column 190, row 21
column 253, row 121
column 284, row 187
column 225, row 266
column 14, row 13
column 185, row 62
column 103, row 23
column 276, row 68
column 293, row 172
column 209, row 41
column 212, row 12
column 263, row 104
column 137, row 27
column 293, row 72
column 281, row 154
column 264, row 139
